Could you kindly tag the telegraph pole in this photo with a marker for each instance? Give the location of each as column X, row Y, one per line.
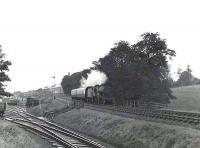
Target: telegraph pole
column 54, row 78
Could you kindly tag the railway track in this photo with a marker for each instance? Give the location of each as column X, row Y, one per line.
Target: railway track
column 59, row 136
column 192, row 118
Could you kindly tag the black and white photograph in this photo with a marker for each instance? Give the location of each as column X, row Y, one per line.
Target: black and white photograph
column 99, row 74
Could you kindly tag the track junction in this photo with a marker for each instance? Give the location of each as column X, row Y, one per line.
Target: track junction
column 57, row 135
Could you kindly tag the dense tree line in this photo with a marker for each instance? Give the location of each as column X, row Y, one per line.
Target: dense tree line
column 185, row 78
column 135, row 72
column 138, row 71
column 70, row 82
column 4, row 67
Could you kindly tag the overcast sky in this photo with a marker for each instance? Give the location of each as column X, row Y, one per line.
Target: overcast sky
column 43, row 38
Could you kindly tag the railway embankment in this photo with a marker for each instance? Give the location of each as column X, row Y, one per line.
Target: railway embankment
column 49, row 106
column 123, row 132
column 126, row 132
column 12, row 136
column 188, row 98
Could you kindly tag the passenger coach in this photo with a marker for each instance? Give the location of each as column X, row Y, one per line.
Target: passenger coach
column 92, row 94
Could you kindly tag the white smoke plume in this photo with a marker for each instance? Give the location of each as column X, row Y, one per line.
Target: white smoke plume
column 94, row 78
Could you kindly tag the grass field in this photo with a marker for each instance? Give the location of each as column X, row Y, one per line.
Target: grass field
column 188, row 98
column 128, row 133
column 11, row 136
column 50, row 105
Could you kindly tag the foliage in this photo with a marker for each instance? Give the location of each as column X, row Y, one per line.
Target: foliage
column 188, row 98
column 186, row 78
column 115, row 66
column 4, row 67
column 128, row 132
column 138, row 71
column 71, row 82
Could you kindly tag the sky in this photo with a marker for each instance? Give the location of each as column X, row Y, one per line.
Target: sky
column 43, row 38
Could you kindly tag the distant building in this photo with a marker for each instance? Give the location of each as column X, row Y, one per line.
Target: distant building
column 46, row 92
column 57, row 89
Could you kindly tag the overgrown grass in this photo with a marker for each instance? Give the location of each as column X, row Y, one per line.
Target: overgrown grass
column 129, row 133
column 188, row 98
column 11, row 136
column 48, row 106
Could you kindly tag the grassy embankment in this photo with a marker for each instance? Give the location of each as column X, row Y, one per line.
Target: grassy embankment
column 128, row 133
column 48, row 106
column 188, row 98
column 11, row 136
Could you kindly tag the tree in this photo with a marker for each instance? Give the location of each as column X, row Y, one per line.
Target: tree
column 114, row 65
column 171, row 81
column 153, row 56
column 4, row 67
column 186, row 77
column 71, row 82
column 138, row 71
column 179, row 71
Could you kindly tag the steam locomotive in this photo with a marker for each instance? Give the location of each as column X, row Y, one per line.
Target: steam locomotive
column 92, row 94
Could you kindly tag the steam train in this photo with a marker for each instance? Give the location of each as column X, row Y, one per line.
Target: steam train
column 91, row 94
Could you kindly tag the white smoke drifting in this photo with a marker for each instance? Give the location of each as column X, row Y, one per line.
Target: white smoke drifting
column 94, row 78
